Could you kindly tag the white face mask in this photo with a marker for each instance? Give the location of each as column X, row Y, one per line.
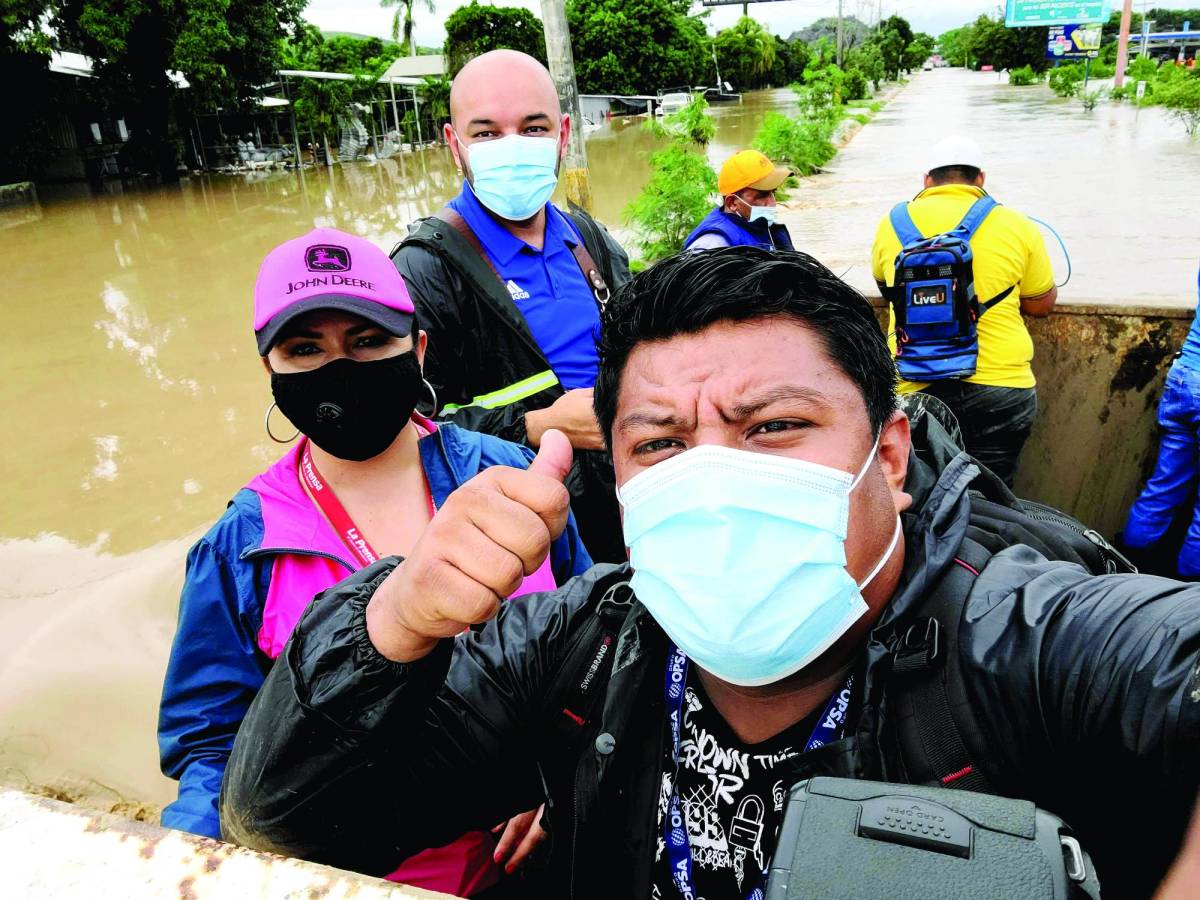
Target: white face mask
column 513, row 176
column 741, row 559
column 759, row 212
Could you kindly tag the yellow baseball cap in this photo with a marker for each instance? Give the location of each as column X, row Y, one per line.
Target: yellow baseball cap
column 750, row 169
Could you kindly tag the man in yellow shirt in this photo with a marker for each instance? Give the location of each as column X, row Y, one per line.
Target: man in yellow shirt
column 996, row 405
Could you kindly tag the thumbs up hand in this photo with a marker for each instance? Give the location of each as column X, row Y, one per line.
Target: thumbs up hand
column 492, row 532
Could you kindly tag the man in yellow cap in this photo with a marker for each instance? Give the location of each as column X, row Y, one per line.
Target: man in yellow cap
column 746, row 216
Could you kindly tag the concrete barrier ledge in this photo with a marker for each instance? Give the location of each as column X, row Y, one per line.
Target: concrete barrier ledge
column 52, row 849
column 1100, row 368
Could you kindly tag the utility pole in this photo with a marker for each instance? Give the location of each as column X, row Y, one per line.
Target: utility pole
column 839, row 35
column 1123, row 44
column 562, row 70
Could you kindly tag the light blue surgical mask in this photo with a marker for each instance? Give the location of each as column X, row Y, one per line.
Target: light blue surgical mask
column 513, row 176
column 767, row 213
column 741, row 558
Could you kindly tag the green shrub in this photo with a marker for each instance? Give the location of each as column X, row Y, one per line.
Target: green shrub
column 681, row 187
column 1022, row 76
column 1181, row 98
column 1065, row 81
column 1143, row 68
column 805, row 146
column 678, row 195
column 821, row 95
column 1089, row 99
column 1102, row 69
column 691, row 122
column 855, row 86
column 1127, row 91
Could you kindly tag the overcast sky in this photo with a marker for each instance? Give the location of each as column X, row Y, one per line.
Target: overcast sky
column 783, row 17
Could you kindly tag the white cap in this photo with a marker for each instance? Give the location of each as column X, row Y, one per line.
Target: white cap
column 955, row 150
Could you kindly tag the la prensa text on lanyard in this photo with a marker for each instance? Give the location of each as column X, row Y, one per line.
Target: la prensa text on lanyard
column 331, row 506
column 675, row 833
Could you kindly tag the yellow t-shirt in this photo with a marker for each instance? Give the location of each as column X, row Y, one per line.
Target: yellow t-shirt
column 1008, row 250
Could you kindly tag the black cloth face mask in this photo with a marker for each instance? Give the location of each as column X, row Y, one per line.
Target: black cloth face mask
column 351, row 410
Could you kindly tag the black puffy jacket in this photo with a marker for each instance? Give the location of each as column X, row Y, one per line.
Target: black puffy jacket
column 1087, row 687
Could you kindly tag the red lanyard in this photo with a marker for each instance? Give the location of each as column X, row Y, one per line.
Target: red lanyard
column 329, row 504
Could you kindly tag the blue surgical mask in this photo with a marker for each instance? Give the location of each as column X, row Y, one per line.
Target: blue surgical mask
column 767, row 213
column 741, row 558
column 513, row 176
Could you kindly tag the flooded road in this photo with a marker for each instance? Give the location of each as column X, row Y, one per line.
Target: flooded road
column 1120, row 185
column 134, row 399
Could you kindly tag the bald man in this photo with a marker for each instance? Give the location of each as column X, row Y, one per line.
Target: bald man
column 509, row 287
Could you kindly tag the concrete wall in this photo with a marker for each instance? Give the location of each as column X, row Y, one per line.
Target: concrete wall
column 54, row 850
column 1100, row 369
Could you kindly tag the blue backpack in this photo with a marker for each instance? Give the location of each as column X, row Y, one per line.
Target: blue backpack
column 934, row 297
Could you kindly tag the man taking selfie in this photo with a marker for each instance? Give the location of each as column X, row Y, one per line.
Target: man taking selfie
column 817, row 586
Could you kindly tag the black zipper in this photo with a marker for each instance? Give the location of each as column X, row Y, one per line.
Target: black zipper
column 1114, row 560
column 272, row 551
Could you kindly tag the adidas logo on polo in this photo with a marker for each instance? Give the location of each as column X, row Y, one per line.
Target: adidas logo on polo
column 517, row 292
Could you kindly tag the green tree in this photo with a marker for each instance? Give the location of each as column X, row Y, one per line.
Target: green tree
column 24, row 66
column 993, row 44
column 746, row 53
column 404, row 25
column 791, row 58
column 918, row 50
column 954, row 45
column 868, row 61
column 225, row 50
column 900, row 25
column 637, row 46
column 681, row 187
column 473, row 30
column 891, row 49
column 820, row 97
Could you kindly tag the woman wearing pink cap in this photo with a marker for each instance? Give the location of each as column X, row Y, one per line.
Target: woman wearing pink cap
column 334, row 325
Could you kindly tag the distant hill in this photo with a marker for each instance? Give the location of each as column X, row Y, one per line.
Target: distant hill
column 357, row 36
column 854, row 31
column 421, row 51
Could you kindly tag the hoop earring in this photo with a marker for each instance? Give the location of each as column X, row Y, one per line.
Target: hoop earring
column 432, row 394
column 267, row 423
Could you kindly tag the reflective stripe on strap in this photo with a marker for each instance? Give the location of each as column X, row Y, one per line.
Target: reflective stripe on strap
column 527, row 387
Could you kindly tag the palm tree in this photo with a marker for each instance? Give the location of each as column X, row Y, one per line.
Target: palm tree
column 407, row 7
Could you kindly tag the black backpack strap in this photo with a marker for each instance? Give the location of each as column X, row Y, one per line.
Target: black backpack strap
column 577, row 697
column 583, row 675
column 447, row 235
column 985, row 305
column 940, row 738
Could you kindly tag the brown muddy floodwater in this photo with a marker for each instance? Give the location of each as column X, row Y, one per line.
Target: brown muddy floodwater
column 133, row 399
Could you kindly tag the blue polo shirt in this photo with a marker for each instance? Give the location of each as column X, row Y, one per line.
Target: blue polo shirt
column 547, row 287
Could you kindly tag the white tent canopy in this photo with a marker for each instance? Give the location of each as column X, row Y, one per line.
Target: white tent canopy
column 415, row 67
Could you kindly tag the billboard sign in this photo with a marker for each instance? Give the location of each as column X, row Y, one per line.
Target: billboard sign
column 1026, row 13
column 1073, row 41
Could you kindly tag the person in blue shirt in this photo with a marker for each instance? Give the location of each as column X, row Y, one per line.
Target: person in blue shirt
column 1173, row 483
column 746, row 217
column 509, row 287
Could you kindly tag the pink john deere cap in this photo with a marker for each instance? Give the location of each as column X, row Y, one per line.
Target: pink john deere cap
column 328, row 269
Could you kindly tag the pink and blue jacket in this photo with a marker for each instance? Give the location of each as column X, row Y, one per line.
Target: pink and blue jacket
column 248, row 581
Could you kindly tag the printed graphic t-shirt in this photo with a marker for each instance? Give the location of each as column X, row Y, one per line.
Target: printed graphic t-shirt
column 732, row 795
